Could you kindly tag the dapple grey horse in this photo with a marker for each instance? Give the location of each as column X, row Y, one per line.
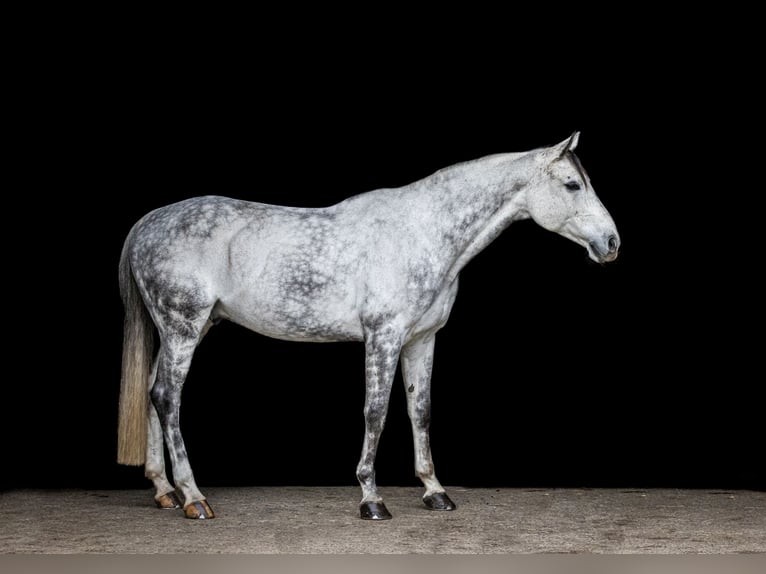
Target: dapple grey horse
column 380, row 268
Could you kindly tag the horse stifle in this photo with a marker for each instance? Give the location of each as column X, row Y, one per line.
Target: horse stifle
column 380, row 267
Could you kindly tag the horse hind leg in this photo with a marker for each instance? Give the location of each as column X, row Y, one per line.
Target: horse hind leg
column 417, row 364
column 166, row 496
column 173, row 361
column 154, row 469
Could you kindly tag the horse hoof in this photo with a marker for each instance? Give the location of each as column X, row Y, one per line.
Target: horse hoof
column 168, row 501
column 439, row 501
column 374, row 511
column 199, row 510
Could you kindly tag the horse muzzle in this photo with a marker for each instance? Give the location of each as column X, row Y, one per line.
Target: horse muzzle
column 605, row 249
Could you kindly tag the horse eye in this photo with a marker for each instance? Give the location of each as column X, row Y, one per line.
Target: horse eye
column 572, row 185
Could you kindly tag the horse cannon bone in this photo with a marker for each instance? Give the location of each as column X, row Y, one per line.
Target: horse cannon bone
column 380, row 268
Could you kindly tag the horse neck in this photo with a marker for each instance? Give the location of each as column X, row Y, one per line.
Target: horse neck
column 470, row 204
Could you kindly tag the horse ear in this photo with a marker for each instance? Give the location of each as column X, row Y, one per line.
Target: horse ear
column 570, row 144
column 559, row 150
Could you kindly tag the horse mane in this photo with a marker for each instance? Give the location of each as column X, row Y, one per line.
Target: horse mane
column 487, row 159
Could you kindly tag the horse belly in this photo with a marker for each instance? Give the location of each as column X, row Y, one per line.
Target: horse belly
column 293, row 314
column 291, row 278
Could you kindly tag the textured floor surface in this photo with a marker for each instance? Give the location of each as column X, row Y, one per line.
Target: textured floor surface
column 297, row 520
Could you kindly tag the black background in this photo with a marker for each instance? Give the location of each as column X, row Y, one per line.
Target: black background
column 552, row 371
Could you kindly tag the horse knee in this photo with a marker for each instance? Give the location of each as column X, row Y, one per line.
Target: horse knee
column 375, row 416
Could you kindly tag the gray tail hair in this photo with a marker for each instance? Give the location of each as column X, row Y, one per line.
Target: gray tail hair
column 137, row 351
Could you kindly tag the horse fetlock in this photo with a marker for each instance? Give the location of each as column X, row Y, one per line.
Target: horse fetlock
column 425, row 472
column 365, row 474
column 154, row 471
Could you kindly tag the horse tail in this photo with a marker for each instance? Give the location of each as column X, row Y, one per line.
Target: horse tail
column 137, row 351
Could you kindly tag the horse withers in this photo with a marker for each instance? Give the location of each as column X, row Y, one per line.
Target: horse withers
column 380, row 268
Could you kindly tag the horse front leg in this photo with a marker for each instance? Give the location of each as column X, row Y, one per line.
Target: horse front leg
column 417, row 364
column 382, row 348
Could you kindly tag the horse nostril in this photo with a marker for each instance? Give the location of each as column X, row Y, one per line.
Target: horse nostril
column 612, row 243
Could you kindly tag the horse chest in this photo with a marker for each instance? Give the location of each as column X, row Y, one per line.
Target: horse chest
column 437, row 313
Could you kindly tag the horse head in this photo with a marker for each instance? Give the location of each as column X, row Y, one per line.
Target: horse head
column 561, row 199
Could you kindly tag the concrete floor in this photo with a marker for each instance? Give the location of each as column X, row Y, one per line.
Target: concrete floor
column 323, row 520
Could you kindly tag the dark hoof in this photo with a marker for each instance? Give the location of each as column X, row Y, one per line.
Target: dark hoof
column 374, row 511
column 439, row 501
column 168, row 501
column 199, row 510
